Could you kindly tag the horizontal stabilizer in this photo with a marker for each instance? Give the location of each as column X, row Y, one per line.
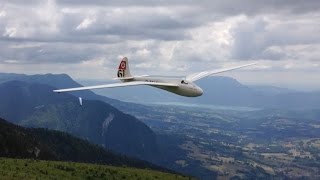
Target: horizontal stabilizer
column 129, row 78
column 124, row 78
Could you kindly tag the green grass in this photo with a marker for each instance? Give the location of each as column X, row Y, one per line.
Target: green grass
column 36, row 169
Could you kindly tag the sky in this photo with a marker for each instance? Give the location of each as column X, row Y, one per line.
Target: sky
column 87, row 39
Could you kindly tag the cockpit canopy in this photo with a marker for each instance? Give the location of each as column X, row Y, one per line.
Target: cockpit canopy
column 184, row 82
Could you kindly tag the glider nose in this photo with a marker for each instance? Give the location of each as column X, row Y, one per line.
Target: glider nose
column 201, row 91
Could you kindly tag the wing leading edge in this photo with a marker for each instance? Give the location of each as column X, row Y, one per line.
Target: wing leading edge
column 134, row 83
column 197, row 76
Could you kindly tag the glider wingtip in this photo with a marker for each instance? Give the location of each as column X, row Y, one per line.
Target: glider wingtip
column 56, row 91
column 251, row 64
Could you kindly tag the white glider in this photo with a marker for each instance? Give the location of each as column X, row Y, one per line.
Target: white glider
column 183, row 87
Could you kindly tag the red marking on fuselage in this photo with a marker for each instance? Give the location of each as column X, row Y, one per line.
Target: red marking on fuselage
column 123, row 65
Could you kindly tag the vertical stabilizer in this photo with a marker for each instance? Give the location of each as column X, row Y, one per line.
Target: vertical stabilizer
column 123, row 70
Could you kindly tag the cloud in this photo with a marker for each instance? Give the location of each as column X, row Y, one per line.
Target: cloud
column 225, row 7
column 85, row 23
column 266, row 37
column 174, row 37
column 42, row 53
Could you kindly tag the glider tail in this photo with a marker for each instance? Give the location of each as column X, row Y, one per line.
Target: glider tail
column 123, row 70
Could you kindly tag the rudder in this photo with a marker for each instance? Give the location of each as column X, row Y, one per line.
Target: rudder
column 123, row 70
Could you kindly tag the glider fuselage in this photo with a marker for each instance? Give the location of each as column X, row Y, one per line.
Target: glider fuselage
column 184, row 88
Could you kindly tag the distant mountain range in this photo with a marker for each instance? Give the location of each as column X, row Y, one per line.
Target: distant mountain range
column 218, row 90
column 223, row 91
column 35, row 105
column 44, row 144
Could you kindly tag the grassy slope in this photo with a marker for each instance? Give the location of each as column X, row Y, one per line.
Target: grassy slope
column 35, row 169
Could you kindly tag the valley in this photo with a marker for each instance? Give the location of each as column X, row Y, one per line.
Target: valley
column 240, row 143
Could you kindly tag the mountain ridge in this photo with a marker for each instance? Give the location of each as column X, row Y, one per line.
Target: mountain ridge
column 35, row 105
column 44, row 144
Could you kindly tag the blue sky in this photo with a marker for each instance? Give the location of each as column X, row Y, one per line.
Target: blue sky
column 86, row 39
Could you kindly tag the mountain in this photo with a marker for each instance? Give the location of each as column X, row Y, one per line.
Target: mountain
column 35, row 105
column 59, row 81
column 227, row 91
column 272, row 90
column 44, row 144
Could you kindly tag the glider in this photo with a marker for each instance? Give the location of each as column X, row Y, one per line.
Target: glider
column 183, row 87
